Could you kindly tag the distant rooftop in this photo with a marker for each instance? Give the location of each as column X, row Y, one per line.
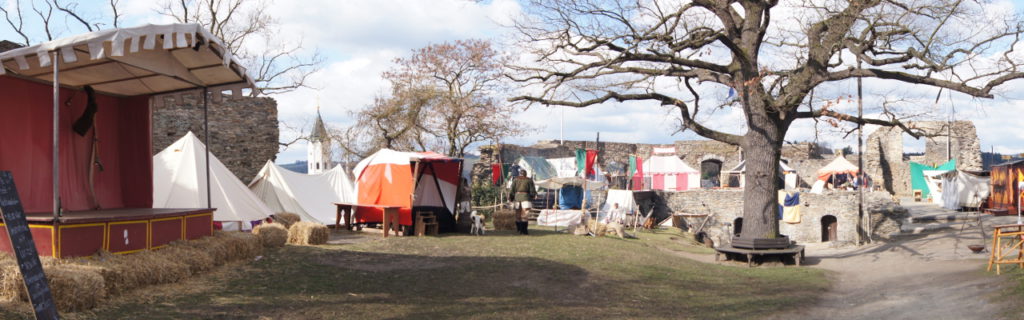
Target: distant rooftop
column 7, row 45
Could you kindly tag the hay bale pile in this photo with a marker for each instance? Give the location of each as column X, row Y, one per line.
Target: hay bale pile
column 271, row 235
column 308, row 233
column 83, row 283
column 286, row 218
column 504, row 219
column 73, row 287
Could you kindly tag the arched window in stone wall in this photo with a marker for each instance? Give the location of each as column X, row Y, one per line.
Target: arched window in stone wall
column 710, row 173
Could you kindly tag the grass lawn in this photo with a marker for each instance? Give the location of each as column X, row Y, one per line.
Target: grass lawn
column 500, row 275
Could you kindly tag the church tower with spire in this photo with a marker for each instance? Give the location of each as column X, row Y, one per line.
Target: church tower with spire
column 318, row 157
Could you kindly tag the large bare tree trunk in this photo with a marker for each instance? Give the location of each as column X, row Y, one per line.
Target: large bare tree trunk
column 762, row 146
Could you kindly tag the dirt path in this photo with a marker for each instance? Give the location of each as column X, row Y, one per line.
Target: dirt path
column 927, row 277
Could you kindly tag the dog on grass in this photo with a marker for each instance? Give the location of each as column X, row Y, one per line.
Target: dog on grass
column 478, row 224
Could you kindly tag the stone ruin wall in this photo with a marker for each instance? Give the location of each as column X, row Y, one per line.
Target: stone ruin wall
column 726, row 205
column 244, row 131
column 883, row 153
column 692, row 152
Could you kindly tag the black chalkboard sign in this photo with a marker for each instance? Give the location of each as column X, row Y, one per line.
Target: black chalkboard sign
column 25, row 249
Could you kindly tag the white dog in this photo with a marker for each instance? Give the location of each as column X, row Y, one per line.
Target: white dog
column 478, row 224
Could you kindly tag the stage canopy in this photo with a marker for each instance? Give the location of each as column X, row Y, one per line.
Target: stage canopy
column 145, row 60
column 179, row 181
column 311, row 196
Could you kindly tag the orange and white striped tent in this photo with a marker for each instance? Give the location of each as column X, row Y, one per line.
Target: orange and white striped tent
column 408, row 180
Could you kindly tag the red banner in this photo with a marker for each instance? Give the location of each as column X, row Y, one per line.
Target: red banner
column 496, row 173
column 591, row 158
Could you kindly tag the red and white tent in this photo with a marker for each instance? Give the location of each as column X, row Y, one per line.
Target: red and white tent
column 408, row 180
column 838, row 166
column 668, row 172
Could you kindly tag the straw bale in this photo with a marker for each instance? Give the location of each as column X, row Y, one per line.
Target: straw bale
column 74, row 287
column 308, row 233
column 504, row 219
column 286, row 218
column 271, row 235
column 197, row 259
column 10, row 278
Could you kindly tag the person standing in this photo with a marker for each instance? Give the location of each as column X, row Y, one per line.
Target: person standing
column 522, row 191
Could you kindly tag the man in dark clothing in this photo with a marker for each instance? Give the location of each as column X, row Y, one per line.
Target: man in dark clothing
column 522, row 191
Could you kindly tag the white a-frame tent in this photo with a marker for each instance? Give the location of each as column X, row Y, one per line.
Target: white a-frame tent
column 179, row 181
column 311, row 196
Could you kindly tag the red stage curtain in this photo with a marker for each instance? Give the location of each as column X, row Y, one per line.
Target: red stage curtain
column 123, row 131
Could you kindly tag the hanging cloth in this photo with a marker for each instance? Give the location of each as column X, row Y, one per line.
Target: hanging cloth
column 496, row 174
column 591, row 158
column 581, row 161
column 791, row 208
column 632, row 166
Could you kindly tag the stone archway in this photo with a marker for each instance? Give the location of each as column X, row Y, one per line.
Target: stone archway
column 711, row 173
column 829, row 228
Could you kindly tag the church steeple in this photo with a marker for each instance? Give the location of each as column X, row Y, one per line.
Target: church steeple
column 319, row 155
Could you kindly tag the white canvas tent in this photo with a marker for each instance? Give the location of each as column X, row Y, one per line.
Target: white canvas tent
column 961, row 189
column 670, row 173
column 179, row 181
column 934, row 180
column 311, row 196
column 623, row 197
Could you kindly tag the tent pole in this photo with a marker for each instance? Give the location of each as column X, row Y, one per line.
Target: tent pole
column 56, row 135
column 206, row 141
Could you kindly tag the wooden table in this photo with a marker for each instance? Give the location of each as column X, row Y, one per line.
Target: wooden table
column 390, row 216
column 1006, row 239
column 796, row 251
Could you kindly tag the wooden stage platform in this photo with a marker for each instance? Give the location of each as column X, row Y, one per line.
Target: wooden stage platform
column 83, row 233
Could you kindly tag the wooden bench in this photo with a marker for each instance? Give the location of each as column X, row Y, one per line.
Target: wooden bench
column 346, row 209
column 795, row 251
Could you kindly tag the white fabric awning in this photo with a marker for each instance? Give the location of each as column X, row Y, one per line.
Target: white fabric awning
column 145, row 60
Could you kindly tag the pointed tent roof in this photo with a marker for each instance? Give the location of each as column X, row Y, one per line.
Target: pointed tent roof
column 838, row 166
column 666, row 164
column 311, row 196
column 179, row 181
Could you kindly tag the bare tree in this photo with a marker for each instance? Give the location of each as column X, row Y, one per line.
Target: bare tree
column 16, row 20
column 393, row 121
column 252, row 34
column 465, row 79
column 771, row 53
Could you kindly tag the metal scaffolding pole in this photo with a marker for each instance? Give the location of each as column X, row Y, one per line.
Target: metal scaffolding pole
column 56, row 136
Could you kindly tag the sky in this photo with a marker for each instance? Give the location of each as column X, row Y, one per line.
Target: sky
column 360, row 38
